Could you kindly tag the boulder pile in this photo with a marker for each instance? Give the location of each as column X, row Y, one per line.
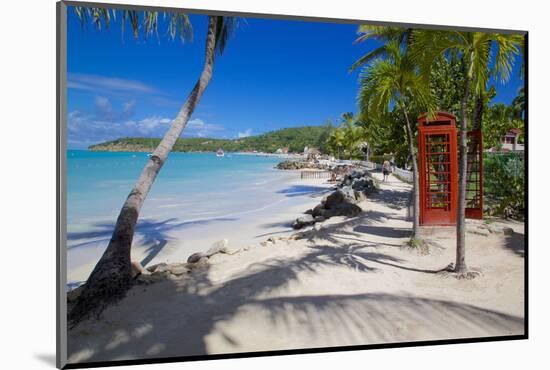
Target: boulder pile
column 352, row 190
column 298, row 165
column 338, row 203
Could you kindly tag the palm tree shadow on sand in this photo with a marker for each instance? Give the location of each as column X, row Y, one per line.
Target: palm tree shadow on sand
column 154, row 234
column 190, row 312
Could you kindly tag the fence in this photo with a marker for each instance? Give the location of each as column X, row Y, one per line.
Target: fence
column 314, row 175
column 404, row 174
column 371, row 165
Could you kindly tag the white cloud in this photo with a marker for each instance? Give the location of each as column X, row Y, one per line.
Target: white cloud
column 197, row 127
column 87, row 129
column 99, row 83
column 246, row 133
column 128, row 107
column 105, row 111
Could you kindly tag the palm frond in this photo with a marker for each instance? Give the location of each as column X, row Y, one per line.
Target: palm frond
column 226, row 26
column 146, row 21
column 367, row 58
column 382, row 34
column 508, row 46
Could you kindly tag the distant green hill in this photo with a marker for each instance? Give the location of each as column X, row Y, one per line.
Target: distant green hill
column 295, row 139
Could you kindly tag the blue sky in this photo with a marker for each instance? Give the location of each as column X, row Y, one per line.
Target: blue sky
column 273, row 74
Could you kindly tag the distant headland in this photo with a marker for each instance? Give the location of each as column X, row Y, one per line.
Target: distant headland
column 287, row 140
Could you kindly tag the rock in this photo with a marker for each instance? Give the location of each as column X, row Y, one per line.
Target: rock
column 334, row 199
column 137, row 269
column 360, row 196
column 298, row 165
column 346, row 209
column 217, row 247
column 152, row 278
column 296, row 236
column 498, row 229
column 195, row 257
column 303, row 221
column 232, row 251
column 178, row 269
column 271, row 240
column 508, row 231
column 319, row 218
column 319, row 210
column 200, row 264
column 161, row 274
column 309, row 212
column 349, row 194
column 317, row 227
column 153, row 268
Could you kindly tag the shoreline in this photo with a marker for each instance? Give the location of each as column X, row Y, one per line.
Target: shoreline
column 350, row 277
column 165, row 237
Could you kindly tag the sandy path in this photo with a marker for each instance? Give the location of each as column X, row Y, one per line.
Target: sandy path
column 350, row 283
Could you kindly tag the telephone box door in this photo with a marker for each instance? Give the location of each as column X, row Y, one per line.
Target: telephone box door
column 438, row 171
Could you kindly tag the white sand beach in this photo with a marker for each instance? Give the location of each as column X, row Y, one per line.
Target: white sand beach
column 167, row 238
column 346, row 282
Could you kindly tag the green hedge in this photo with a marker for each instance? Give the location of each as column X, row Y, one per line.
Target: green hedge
column 504, row 184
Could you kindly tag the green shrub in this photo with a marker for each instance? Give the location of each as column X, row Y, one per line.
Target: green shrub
column 504, row 184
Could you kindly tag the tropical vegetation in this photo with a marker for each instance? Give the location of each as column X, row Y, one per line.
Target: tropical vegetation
column 456, row 68
column 294, row 138
column 482, row 55
column 347, row 141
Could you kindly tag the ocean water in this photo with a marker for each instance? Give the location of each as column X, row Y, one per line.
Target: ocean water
column 197, row 199
column 195, row 185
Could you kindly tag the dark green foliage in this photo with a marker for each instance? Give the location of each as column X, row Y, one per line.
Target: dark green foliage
column 498, row 120
column 504, row 184
column 295, row 139
column 387, row 135
column 347, row 140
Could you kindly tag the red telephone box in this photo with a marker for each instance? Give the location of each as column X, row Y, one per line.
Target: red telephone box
column 438, row 169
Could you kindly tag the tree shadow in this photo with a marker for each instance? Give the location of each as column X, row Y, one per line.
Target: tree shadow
column 299, row 190
column 155, row 234
column 394, row 199
column 151, row 230
column 515, row 243
column 196, row 311
column 365, row 223
column 385, row 231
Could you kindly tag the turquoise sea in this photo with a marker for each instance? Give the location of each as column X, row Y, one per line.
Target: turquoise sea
column 197, row 199
column 197, row 184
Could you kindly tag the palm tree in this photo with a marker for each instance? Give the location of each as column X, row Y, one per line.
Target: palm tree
column 353, row 133
column 519, row 103
column 111, row 277
column 382, row 34
column 475, row 50
column 395, row 81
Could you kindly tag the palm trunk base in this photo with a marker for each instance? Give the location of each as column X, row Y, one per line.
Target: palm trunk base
column 105, row 286
column 460, row 272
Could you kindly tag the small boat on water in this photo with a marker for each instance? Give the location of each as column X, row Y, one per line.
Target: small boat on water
column 220, row 153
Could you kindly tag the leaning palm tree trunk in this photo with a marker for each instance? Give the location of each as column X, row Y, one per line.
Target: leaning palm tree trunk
column 111, row 276
column 416, row 184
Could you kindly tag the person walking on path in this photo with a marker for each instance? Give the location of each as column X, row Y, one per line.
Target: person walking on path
column 386, row 169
